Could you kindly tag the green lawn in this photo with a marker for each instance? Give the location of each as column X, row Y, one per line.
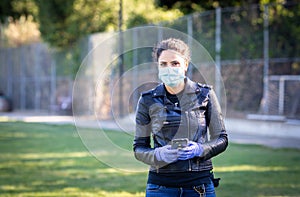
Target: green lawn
column 49, row 160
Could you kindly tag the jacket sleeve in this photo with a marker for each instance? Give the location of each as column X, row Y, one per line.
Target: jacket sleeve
column 142, row 143
column 218, row 141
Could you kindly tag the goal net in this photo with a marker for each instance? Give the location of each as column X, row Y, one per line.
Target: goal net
column 284, row 96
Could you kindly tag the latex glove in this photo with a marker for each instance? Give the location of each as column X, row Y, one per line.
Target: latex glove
column 166, row 154
column 192, row 150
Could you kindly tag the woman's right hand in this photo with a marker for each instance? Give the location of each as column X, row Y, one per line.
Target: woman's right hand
column 166, row 154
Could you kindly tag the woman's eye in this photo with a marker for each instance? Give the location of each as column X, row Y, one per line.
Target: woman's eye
column 175, row 64
column 163, row 64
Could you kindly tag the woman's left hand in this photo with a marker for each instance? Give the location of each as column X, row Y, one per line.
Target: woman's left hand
column 192, row 150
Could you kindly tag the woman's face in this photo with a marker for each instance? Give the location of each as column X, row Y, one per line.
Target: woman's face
column 173, row 59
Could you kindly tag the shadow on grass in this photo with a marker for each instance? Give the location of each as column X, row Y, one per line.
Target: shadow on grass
column 48, row 160
column 254, row 170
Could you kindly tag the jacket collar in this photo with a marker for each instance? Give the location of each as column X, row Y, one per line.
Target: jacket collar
column 189, row 88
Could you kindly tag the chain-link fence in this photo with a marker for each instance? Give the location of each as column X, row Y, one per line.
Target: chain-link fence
column 251, row 46
column 30, row 80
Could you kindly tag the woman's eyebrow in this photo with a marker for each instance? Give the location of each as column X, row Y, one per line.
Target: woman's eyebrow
column 173, row 61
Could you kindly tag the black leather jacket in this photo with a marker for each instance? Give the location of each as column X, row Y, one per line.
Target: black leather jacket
column 156, row 116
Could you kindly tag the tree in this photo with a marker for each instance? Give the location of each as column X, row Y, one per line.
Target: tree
column 141, row 12
column 17, row 22
column 63, row 23
column 189, row 6
column 16, row 8
column 53, row 18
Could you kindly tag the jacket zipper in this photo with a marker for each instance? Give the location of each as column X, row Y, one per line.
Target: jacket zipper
column 188, row 130
column 171, row 122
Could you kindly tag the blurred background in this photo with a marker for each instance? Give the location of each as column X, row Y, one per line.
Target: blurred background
column 255, row 45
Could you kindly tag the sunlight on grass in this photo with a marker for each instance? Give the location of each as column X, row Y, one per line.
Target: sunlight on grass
column 279, row 185
column 47, row 155
column 22, row 135
column 275, row 196
column 4, row 119
column 14, row 135
column 41, row 183
column 240, row 168
column 74, row 192
column 14, row 188
column 115, row 171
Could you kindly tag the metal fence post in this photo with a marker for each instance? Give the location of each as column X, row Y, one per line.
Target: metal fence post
column 135, row 97
column 281, row 96
column 20, row 58
column 121, row 59
column 218, row 55
column 266, row 60
column 37, row 78
column 190, row 33
column 53, row 84
column 9, row 65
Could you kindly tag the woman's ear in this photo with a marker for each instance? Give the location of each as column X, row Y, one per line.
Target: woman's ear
column 186, row 66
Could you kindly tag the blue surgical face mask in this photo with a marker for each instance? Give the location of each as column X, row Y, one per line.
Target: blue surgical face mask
column 171, row 76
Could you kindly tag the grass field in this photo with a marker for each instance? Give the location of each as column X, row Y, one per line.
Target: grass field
column 49, row 160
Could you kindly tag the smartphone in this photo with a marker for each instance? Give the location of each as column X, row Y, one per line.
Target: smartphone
column 179, row 143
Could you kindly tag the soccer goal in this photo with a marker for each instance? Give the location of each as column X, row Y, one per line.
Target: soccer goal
column 284, row 95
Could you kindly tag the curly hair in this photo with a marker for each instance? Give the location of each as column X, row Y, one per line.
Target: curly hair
column 172, row 44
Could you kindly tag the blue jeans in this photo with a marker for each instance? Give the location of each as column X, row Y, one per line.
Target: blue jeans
column 153, row 190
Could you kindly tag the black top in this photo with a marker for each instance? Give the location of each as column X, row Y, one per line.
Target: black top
column 179, row 179
column 174, row 98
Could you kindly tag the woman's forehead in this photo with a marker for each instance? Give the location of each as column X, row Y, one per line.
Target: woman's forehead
column 168, row 55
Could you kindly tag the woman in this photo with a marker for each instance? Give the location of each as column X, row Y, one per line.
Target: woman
column 177, row 114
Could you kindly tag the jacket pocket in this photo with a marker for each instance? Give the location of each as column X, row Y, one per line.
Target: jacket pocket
column 198, row 123
column 171, row 127
column 198, row 113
